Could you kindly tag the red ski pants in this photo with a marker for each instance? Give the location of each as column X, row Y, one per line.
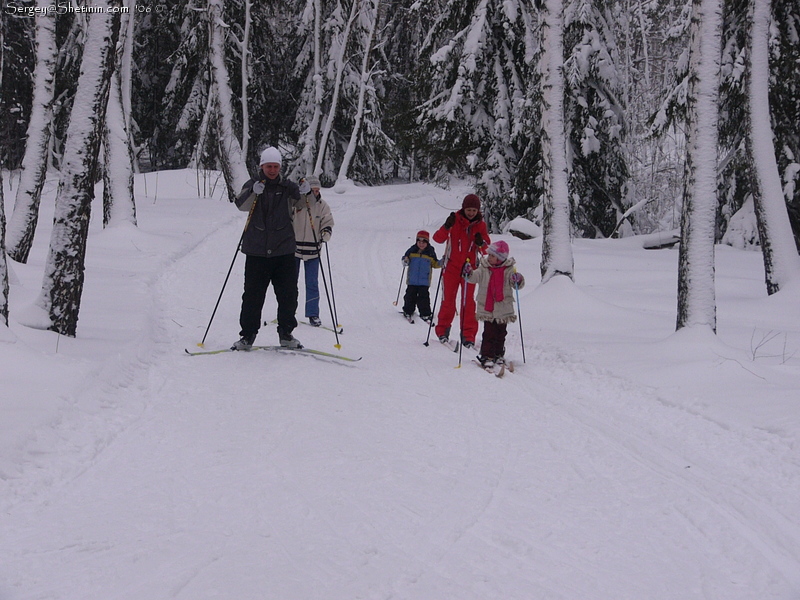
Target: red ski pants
column 451, row 282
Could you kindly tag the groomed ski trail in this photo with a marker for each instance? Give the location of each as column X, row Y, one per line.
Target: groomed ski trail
column 263, row 476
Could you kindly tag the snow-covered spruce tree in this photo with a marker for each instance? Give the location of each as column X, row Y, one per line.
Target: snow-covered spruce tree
column 649, row 40
column 784, row 102
column 595, row 118
column 23, row 221
column 696, row 295
column 556, row 230
column 476, row 58
column 230, row 157
column 370, row 15
column 16, row 93
column 334, row 36
column 170, row 84
column 362, row 104
column 734, row 178
column 338, row 55
column 243, row 46
column 781, row 261
column 62, row 286
column 309, row 62
column 119, row 205
column 275, row 86
column 404, row 90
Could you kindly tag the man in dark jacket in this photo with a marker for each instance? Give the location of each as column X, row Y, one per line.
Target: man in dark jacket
column 269, row 245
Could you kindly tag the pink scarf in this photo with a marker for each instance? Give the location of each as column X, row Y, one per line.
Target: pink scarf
column 494, row 292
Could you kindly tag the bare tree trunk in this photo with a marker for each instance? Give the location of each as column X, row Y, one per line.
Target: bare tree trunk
column 366, row 74
column 696, row 295
column 556, row 235
column 22, row 225
column 119, row 205
column 230, row 152
column 63, row 281
column 781, row 262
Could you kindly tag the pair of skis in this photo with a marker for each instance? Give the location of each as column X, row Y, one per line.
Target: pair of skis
column 308, row 351
column 410, row 318
column 494, row 370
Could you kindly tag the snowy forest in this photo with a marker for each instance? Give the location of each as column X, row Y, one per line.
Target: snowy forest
column 591, row 118
column 640, row 160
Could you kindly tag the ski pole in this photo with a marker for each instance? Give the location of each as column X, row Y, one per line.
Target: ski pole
column 463, row 310
column 238, row 246
column 399, row 287
column 333, row 296
column 324, row 280
column 435, row 298
column 519, row 317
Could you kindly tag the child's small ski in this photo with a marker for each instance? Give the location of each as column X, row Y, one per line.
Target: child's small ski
column 507, row 366
column 409, row 318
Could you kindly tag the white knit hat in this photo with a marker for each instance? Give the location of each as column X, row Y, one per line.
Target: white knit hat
column 271, row 155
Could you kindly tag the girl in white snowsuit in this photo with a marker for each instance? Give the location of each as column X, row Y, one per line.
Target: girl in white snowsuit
column 497, row 280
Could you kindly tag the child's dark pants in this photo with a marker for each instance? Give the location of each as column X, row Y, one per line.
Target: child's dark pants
column 493, row 343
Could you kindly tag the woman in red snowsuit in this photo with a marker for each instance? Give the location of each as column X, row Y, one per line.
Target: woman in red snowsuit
column 465, row 233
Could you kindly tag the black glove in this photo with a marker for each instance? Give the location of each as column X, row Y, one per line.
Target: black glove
column 451, row 220
column 479, row 240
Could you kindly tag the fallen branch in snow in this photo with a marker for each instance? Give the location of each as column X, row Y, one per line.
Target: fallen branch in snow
column 741, row 365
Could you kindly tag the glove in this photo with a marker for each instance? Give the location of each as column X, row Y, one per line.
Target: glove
column 405, row 261
column 517, row 279
column 479, row 240
column 305, row 187
column 325, row 235
column 258, row 187
column 450, row 221
column 466, row 270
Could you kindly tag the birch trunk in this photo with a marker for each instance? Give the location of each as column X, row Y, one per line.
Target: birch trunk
column 337, row 86
column 231, row 158
column 696, row 294
column 556, row 237
column 62, row 287
column 3, row 263
column 22, row 225
column 781, row 261
column 119, row 205
column 245, row 66
column 362, row 92
column 127, row 31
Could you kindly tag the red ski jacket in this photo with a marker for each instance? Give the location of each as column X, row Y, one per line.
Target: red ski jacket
column 462, row 241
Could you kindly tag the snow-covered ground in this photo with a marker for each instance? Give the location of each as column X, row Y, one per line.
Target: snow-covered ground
column 619, row 461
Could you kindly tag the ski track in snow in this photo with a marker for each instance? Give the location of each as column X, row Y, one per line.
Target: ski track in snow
column 261, row 475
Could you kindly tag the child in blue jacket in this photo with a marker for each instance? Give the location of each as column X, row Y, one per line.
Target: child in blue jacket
column 421, row 261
